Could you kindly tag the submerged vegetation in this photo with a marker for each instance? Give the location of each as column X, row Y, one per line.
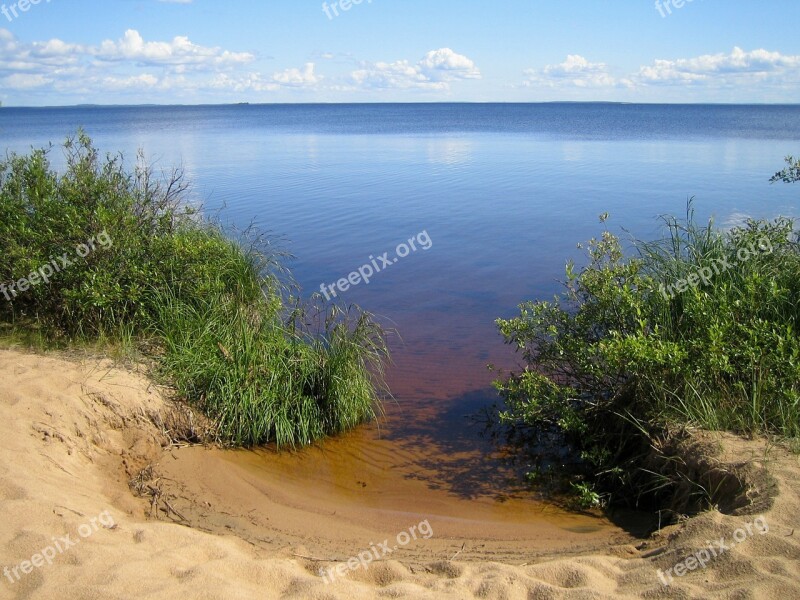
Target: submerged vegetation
column 98, row 252
column 697, row 329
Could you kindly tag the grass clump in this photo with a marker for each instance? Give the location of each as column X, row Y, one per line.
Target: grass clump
column 100, row 253
column 699, row 328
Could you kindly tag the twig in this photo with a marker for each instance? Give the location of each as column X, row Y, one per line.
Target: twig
column 459, row 552
column 80, row 514
column 169, row 506
column 314, row 558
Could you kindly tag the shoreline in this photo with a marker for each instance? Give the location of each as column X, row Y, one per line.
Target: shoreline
column 75, row 433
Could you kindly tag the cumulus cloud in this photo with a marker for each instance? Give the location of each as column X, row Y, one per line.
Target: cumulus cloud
column 297, row 77
column 435, row 71
column 575, row 71
column 131, row 49
column 745, row 71
column 738, row 65
column 445, row 65
column 132, row 63
column 179, row 52
column 23, row 81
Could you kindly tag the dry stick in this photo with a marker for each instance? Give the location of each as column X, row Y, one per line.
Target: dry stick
column 80, row 514
column 459, row 552
column 169, row 506
column 58, row 465
column 314, row 558
column 155, row 495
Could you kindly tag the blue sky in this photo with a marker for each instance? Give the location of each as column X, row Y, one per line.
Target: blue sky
column 58, row 52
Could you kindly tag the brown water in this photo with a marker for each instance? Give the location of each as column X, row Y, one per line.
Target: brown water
column 429, row 457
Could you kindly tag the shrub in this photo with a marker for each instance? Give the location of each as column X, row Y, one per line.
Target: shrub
column 623, row 354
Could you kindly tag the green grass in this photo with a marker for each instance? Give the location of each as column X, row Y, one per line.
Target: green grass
column 209, row 307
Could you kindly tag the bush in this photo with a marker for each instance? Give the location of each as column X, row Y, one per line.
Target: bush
column 689, row 330
column 790, row 174
column 146, row 263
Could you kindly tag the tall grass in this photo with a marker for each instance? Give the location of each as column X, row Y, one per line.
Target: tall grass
column 209, row 307
column 265, row 381
column 740, row 331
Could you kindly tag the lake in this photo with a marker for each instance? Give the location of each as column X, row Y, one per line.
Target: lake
column 502, row 193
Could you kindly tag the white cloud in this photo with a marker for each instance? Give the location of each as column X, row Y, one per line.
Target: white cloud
column 446, row 65
column 296, row 77
column 434, row 72
column 718, row 69
column 304, row 79
column 397, row 75
column 575, row 71
column 22, row 81
column 127, row 65
column 131, row 50
column 179, row 52
column 754, row 74
column 133, row 64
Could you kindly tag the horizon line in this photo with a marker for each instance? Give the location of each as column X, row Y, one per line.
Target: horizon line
column 226, row 104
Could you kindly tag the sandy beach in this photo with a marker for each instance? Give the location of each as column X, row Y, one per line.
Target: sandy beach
column 76, row 432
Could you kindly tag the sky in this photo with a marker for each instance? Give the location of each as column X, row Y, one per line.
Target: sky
column 66, row 52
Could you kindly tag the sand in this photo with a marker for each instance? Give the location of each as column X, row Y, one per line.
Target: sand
column 73, row 433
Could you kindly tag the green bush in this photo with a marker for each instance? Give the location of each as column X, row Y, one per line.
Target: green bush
column 211, row 307
column 691, row 329
column 790, row 174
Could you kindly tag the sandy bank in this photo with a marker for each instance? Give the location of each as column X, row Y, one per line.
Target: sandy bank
column 73, row 435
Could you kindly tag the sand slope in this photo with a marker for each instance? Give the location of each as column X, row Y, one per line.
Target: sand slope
column 71, row 435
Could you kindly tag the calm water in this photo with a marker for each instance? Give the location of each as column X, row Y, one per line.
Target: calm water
column 504, row 193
